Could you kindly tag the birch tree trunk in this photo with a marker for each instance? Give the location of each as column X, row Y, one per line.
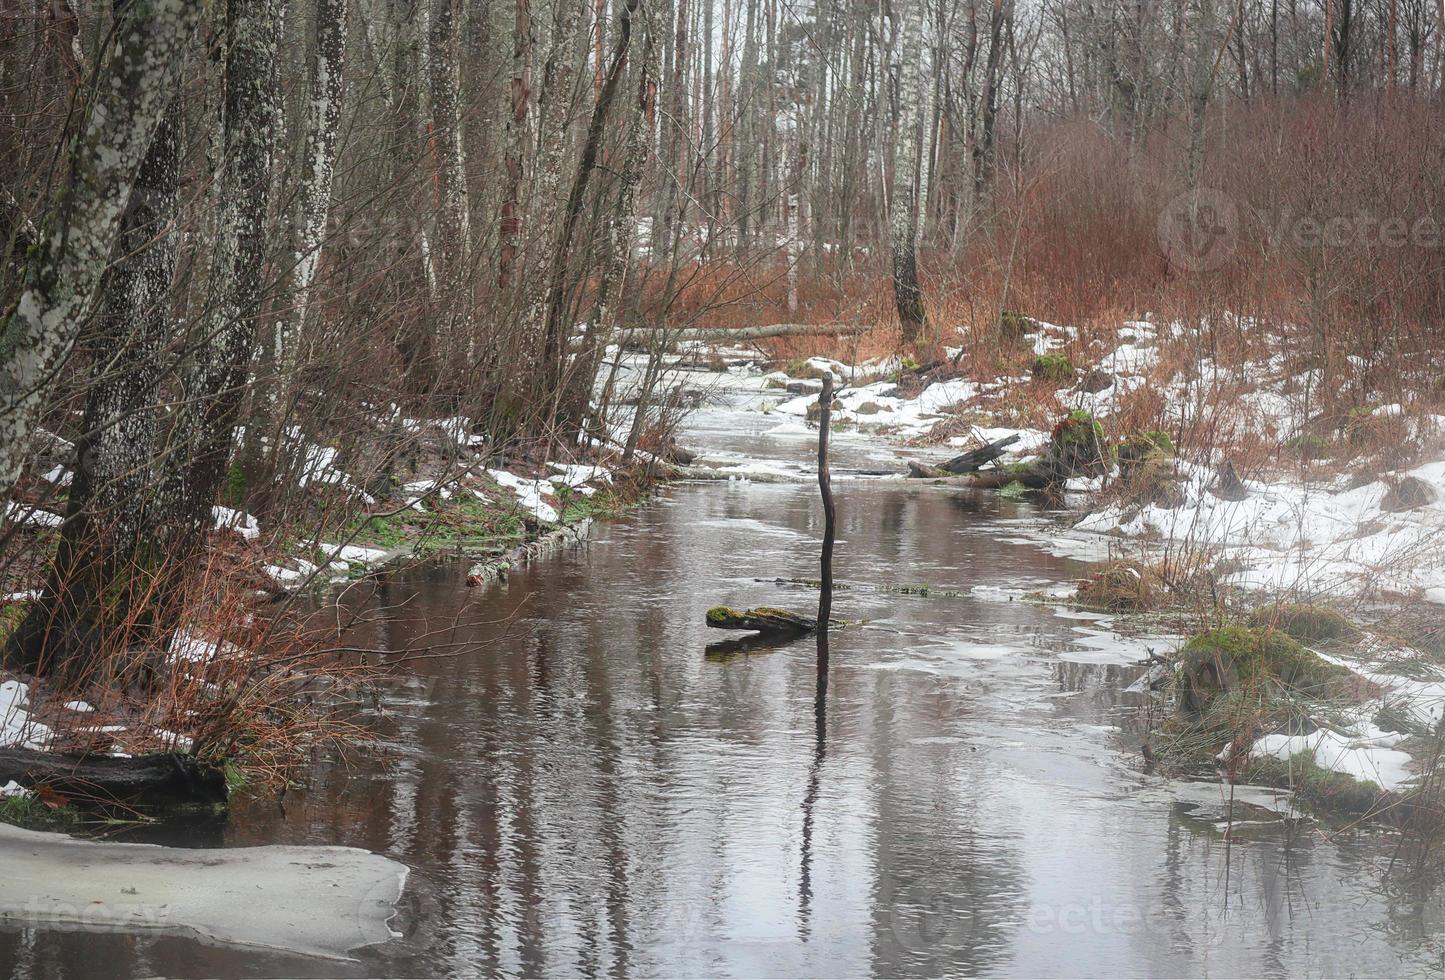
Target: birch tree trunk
column 77, row 237
column 105, row 562
column 216, row 385
column 443, row 82
column 326, row 89
column 908, row 156
column 1201, row 83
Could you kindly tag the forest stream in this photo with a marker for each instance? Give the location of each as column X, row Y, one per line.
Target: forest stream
column 580, row 789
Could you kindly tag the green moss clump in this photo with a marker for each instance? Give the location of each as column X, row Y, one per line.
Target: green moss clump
column 1307, row 446
column 1013, row 490
column 1054, row 367
column 11, row 616
column 1321, row 788
column 1078, row 427
column 1261, row 664
column 1013, row 325
column 1305, row 622
column 236, row 777
column 1078, row 446
column 1144, row 446
column 234, row 491
column 722, row 614
column 378, row 531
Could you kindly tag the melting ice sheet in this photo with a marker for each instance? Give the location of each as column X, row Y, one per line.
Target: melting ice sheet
column 315, row 901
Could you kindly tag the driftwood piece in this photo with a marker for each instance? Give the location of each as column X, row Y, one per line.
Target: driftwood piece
column 162, row 780
column 976, row 459
column 775, row 622
column 964, row 464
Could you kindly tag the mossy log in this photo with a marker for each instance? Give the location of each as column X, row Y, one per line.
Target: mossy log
column 163, row 780
column 764, row 620
column 922, row 471
column 1076, row 448
column 1035, row 475
column 1265, row 663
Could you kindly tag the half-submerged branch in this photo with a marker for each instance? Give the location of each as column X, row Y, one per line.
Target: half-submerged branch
column 830, row 511
column 779, row 625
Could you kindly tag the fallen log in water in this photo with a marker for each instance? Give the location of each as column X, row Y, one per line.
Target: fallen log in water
column 774, row 622
column 965, row 463
column 736, row 335
column 976, row 459
column 491, row 570
column 162, row 780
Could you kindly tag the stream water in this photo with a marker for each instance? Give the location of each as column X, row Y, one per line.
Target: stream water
column 580, row 789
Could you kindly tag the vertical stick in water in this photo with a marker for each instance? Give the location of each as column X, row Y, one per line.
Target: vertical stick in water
column 825, row 486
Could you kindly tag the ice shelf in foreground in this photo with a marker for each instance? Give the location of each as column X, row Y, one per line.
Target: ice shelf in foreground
column 316, row 901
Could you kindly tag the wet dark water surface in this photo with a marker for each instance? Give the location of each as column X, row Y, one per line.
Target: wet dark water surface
column 580, row 790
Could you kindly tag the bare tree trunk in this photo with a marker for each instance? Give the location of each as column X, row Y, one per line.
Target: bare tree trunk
column 518, row 138
column 216, row 386
column 907, row 162
column 620, row 229
column 830, row 512
column 325, row 85
column 77, row 237
column 454, row 233
column 105, row 563
column 557, row 291
column 983, row 152
column 1199, row 96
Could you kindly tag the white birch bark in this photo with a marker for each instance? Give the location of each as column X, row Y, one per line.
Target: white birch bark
column 78, row 235
column 443, row 84
column 325, row 93
column 908, row 168
column 216, row 384
column 104, row 559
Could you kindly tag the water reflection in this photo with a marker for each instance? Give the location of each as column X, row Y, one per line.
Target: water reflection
column 951, row 789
